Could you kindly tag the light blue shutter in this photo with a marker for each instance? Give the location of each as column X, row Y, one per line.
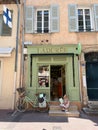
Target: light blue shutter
column 96, row 16
column 29, row 19
column 54, row 18
column 73, row 18
column 1, row 24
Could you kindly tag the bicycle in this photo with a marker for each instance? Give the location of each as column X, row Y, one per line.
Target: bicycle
column 39, row 104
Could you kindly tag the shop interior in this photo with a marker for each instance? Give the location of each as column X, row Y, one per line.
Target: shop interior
column 57, row 82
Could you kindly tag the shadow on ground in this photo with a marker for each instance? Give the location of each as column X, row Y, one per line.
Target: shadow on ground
column 29, row 116
column 41, row 117
column 92, row 117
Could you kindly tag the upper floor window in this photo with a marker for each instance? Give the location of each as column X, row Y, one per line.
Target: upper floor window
column 83, row 19
column 42, row 21
column 4, row 29
column 8, row 1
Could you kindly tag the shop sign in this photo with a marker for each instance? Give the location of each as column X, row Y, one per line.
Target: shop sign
column 52, row 50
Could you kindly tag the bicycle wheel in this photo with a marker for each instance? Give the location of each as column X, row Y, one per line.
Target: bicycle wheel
column 21, row 105
column 44, row 109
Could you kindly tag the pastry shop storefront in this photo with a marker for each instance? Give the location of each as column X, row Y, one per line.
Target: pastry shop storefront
column 53, row 70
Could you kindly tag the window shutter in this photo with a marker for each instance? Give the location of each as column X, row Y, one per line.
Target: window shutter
column 0, row 24
column 29, row 19
column 96, row 16
column 54, row 17
column 73, row 18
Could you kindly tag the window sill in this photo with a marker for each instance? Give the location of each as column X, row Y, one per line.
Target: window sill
column 86, row 31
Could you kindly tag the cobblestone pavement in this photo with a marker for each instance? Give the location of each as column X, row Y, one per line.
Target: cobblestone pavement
column 10, row 120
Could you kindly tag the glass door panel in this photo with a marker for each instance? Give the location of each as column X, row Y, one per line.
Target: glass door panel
column 43, row 80
column 43, row 76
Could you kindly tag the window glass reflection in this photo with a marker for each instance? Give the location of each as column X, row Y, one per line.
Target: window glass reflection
column 43, row 76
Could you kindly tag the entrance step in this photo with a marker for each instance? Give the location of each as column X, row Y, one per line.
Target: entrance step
column 93, row 104
column 55, row 110
column 89, row 111
column 57, row 107
column 92, row 108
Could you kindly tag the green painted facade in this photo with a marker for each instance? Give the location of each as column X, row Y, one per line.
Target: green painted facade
column 51, row 55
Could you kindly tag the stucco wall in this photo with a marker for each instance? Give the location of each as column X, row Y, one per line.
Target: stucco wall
column 7, row 81
column 64, row 36
column 8, row 63
column 10, row 41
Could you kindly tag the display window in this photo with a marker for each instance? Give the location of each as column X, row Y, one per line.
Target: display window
column 43, row 76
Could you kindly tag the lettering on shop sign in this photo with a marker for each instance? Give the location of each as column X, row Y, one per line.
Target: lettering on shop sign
column 52, row 50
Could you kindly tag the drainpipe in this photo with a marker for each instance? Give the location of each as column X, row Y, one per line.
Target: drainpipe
column 22, row 51
column 16, row 55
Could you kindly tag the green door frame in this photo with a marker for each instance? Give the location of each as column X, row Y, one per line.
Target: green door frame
column 47, row 90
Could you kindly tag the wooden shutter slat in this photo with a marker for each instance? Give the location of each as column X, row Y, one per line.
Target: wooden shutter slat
column 0, row 24
column 96, row 16
column 73, row 18
column 54, row 14
column 29, row 19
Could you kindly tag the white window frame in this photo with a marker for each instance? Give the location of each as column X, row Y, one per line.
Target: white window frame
column 91, row 19
column 42, row 20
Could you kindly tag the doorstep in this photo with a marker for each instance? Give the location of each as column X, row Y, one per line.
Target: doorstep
column 55, row 110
